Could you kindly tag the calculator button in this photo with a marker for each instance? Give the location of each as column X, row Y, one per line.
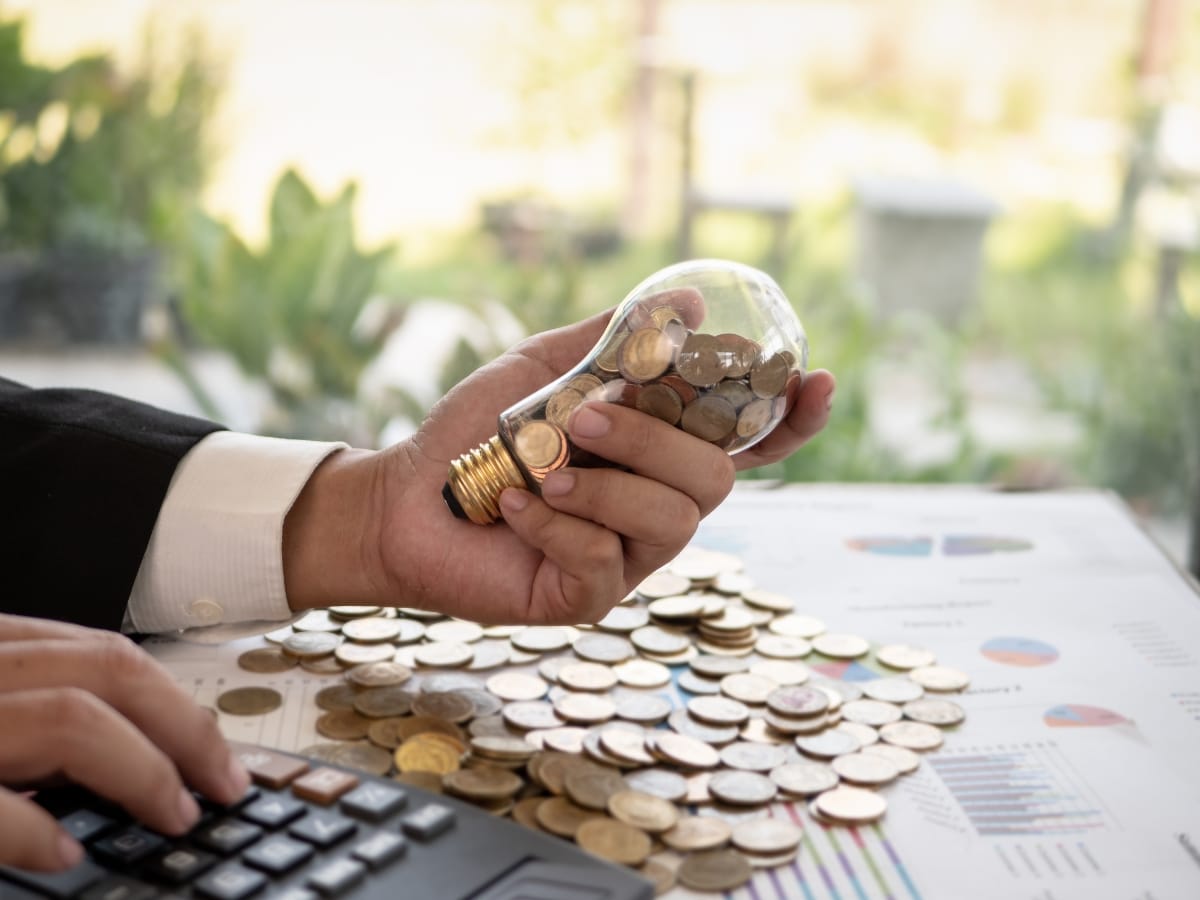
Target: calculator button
column 118, row 887
column 277, row 854
column 428, row 822
column 84, row 824
column 337, row 877
column 128, row 846
column 295, row 894
column 323, row 785
column 380, row 849
column 57, row 884
column 323, row 829
column 373, row 802
column 227, row 837
column 271, row 769
column 275, row 811
column 180, row 865
column 230, row 882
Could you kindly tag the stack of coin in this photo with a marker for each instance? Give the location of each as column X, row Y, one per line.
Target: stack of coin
column 677, row 722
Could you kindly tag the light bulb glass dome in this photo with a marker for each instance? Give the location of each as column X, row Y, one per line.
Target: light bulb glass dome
column 709, row 346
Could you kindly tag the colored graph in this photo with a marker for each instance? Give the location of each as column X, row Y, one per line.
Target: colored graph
column 1077, row 715
column 1018, row 791
column 1018, row 651
column 844, row 670
column 884, row 545
column 978, row 544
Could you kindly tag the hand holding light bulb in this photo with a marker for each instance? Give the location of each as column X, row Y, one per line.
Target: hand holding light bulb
column 376, row 529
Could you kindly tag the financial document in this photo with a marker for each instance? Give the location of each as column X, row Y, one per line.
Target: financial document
column 1076, row 773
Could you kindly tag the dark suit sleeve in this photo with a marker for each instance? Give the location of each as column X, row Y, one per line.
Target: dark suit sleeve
column 82, row 476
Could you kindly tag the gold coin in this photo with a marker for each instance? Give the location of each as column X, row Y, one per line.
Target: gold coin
column 684, row 750
column 940, row 678
column 379, row 674
column 769, row 375
column 336, row 696
column 322, row 665
column 615, row 841
column 561, row 404
column 766, row 836
column 541, row 445
column 658, row 873
column 249, row 701
column 372, row 630
column 933, row 711
column 841, row 646
column 804, row 779
column 560, row 816
column 714, row 870
column 362, row 756
column 912, row 735
column 418, row 755
column 865, row 769
column 349, row 653
column 450, row 706
column 591, row 787
column 904, row 656
column 383, row 702
column 851, row 805
column 484, row 783
column 660, row 401
column 386, row 733
column 411, row 726
column 699, row 362
column 443, row 654
column 644, row 355
column 525, row 812
column 742, row 788
column 428, row 781
column 644, row 811
column 514, row 686
column 737, row 354
column 343, row 725
column 606, row 359
column 709, row 418
column 311, row 644
column 693, row 833
column 587, row 676
column 266, row 661
column 586, row 384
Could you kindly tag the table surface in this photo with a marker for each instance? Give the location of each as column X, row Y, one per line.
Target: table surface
column 1074, row 775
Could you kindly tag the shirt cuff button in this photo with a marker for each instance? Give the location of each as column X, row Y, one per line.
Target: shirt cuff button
column 206, row 611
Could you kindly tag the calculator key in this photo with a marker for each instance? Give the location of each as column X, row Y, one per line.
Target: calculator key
column 428, row 822
column 323, row 785
column 295, row 893
column 380, row 849
column 337, row 877
column 271, row 769
column 57, row 884
column 118, row 887
column 228, row 836
column 274, row 811
column 252, row 794
column 85, row 824
column 277, row 854
column 230, row 882
column 128, row 846
column 374, row 802
column 180, row 865
column 323, row 829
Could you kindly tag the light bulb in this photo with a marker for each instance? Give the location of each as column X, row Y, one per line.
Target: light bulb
column 709, row 346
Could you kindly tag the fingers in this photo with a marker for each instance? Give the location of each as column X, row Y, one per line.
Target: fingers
column 809, row 405
column 72, row 732
column 30, row 838
column 655, row 450
column 20, row 628
column 130, row 682
column 585, row 572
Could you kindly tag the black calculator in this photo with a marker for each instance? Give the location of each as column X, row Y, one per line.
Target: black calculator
column 308, row 830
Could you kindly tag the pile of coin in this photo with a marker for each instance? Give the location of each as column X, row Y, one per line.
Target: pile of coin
column 722, row 388
column 661, row 738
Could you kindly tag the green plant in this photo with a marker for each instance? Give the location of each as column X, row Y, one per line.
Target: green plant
column 287, row 312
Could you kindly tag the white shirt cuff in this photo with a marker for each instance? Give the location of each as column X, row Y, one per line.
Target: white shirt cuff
column 216, row 554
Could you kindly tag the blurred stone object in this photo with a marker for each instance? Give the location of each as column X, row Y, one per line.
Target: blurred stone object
column 919, row 243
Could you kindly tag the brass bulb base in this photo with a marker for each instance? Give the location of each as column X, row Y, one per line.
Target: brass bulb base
column 477, row 479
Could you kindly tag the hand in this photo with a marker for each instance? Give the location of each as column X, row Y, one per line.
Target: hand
column 564, row 557
column 93, row 708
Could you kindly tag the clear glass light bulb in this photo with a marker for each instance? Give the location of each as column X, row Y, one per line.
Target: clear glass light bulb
column 709, row 346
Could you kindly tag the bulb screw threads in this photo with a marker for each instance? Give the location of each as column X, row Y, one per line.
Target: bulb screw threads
column 477, row 478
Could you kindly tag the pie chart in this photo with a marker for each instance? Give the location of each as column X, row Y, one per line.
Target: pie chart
column 889, row 545
column 1076, row 715
column 980, row 544
column 1019, row 651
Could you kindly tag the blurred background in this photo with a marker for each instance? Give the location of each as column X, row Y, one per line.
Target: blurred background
column 312, row 218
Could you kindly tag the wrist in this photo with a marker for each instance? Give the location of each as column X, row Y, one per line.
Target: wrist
column 330, row 544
